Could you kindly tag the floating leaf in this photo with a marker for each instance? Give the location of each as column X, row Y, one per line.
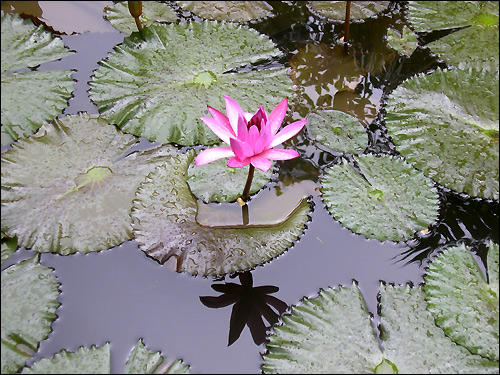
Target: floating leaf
column 415, row 344
column 29, row 293
column 9, row 246
column 476, row 45
column 465, row 307
column 446, row 125
column 333, row 333
column 216, row 182
column 159, row 87
column 231, row 11
column 93, row 360
column 388, row 200
column 405, row 41
column 144, row 361
column 338, row 131
column 165, row 226
column 359, row 10
column 152, row 11
column 70, row 187
column 33, row 98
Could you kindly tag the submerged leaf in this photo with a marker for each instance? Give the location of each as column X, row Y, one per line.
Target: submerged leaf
column 159, row 87
column 446, row 125
column 63, row 191
column 464, row 305
column 30, row 99
column 152, row 11
column 29, row 302
column 231, row 11
column 165, row 226
column 387, row 200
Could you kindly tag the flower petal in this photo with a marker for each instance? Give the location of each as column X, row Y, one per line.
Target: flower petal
column 211, row 154
column 263, row 141
column 242, row 129
column 241, row 149
column 277, row 116
column 221, row 130
column 237, row 163
column 233, row 111
column 260, row 162
column 288, row 132
column 253, row 135
column 279, row 154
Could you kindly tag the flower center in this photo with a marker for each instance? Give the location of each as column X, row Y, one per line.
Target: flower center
column 205, row 78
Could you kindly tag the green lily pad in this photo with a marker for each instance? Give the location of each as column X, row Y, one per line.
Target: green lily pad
column 415, row 344
column 359, row 10
column 333, row 333
column 446, row 125
column 231, row 11
column 216, row 182
column 93, row 360
column 165, row 226
column 64, row 192
column 30, row 99
column 466, row 308
column 475, row 46
column 152, row 11
column 9, row 246
column 338, row 131
column 405, row 41
column 387, row 200
column 144, row 361
column 159, row 87
column 29, row 302
column 96, row 360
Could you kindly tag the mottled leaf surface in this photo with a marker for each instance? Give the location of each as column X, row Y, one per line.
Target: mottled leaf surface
column 70, row 187
column 359, row 10
column 231, row 11
column 404, row 41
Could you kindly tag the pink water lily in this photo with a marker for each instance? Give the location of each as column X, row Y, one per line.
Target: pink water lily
column 252, row 137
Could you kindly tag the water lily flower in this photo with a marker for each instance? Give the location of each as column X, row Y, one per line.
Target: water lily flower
column 252, row 137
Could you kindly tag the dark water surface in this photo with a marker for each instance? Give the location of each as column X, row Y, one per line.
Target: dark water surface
column 120, row 295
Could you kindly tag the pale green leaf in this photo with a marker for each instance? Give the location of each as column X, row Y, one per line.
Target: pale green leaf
column 231, row 11
column 359, row 10
column 405, row 41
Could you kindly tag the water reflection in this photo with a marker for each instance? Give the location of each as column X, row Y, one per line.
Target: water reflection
column 251, row 305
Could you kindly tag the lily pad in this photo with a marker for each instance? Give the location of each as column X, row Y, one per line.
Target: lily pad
column 66, row 192
column 386, row 198
column 29, row 302
column 152, row 11
column 31, row 98
column 476, row 45
column 9, row 247
column 446, row 125
column 231, row 11
column 216, row 182
column 404, row 41
column 158, row 87
column 338, row 131
column 144, row 361
column 333, row 333
column 165, row 226
column 466, row 308
column 359, row 10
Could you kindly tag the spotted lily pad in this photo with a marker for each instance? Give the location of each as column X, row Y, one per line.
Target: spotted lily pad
column 165, row 226
column 359, row 10
column 216, row 182
column 152, row 11
column 338, row 131
column 30, row 98
column 63, row 191
column 475, row 45
column 405, row 41
column 231, row 11
column 446, row 125
column 466, row 308
column 9, row 246
column 333, row 333
column 144, row 361
column 159, row 87
column 386, row 198
column 29, row 293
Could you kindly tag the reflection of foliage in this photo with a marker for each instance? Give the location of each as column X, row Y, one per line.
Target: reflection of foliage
column 250, row 305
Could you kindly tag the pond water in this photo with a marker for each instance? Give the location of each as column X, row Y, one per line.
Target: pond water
column 120, row 295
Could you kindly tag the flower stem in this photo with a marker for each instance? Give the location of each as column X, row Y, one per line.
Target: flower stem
column 246, row 191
